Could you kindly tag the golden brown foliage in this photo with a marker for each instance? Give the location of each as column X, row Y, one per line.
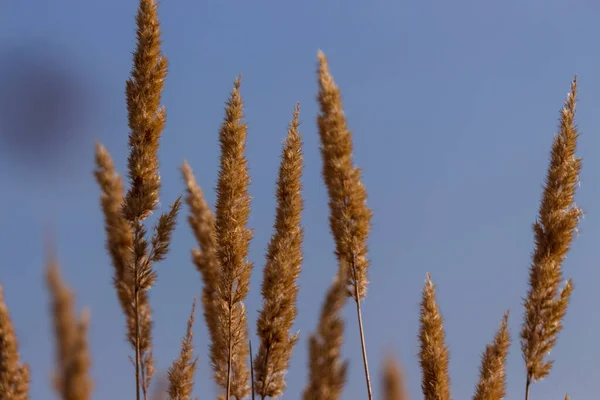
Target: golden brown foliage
column 349, row 216
column 202, row 222
column 126, row 235
column 146, row 116
column 393, row 381
column 492, row 375
column 181, row 373
column 14, row 376
column 119, row 237
column 284, row 260
column 222, row 259
column 433, row 355
column 546, row 303
column 232, row 240
column 72, row 380
column 327, row 370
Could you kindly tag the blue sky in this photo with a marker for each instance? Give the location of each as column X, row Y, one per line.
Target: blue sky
column 453, row 106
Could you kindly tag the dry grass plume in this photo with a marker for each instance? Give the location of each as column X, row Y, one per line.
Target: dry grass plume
column 72, row 380
column 546, row 302
column 327, row 369
column 202, row 222
column 145, row 115
column 221, row 256
column 433, row 355
column 131, row 252
column 492, row 374
column 393, row 381
column 181, row 373
column 284, row 260
column 349, row 217
column 232, row 241
column 14, row 375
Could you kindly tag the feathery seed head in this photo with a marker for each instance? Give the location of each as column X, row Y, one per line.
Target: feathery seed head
column 72, row 380
column 181, row 373
column 131, row 253
column 492, row 375
column 163, row 231
column 14, row 376
column 546, row 303
column 393, row 381
column 146, row 117
column 202, row 222
column 350, row 218
column 433, row 355
column 327, row 369
column 284, row 259
column 232, row 238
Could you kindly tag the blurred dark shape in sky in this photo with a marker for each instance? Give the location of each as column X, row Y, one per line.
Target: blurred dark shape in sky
column 45, row 107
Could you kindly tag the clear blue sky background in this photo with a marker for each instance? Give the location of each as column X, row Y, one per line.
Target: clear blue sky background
column 453, row 106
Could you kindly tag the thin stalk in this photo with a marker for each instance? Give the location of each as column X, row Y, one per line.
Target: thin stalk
column 139, row 369
column 143, row 378
column 230, row 351
column 137, row 343
column 251, row 368
column 362, row 335
column 266, row 383
column 527, row 385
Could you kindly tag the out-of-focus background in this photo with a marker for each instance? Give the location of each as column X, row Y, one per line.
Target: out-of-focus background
column 453, row 106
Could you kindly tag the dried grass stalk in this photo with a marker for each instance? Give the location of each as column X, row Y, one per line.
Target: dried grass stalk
column 131, row 253
column 145, row 115
column 14, row 376
column 327, row 369
column 232, row 240
column 181, row 373
column 492, row 375
column 284, row 261
column 393, row 381
column 119, row 236
column 350, row 218
column 252, row 388
column 546, row 302
column 202, row 222
column 72, row 380
column 433, row 355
